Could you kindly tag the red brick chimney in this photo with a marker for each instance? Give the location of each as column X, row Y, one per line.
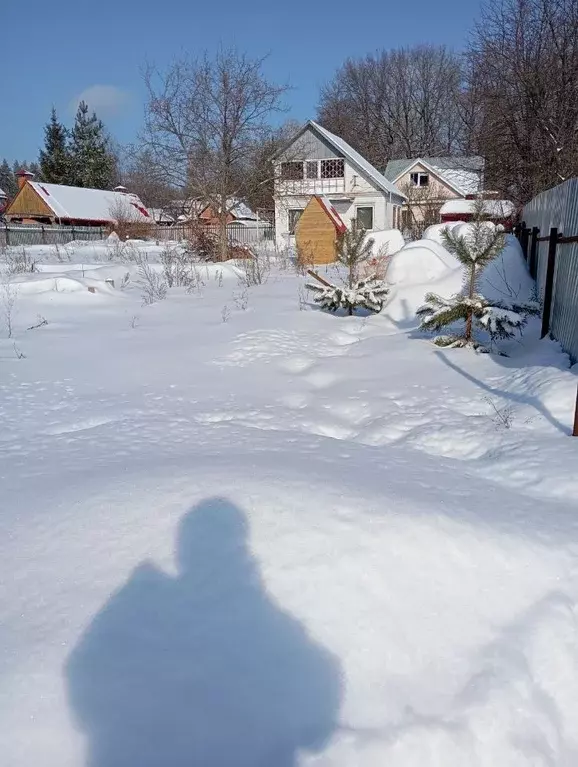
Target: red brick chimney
column 23, row 176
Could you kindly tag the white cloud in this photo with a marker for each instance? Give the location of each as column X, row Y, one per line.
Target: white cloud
column 105, row 100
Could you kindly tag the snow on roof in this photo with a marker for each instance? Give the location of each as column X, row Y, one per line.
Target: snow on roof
column 496, row 208
column 3, row 193
column 332, row 213
column 242, row 210
column 73, row 202
column 366, row 167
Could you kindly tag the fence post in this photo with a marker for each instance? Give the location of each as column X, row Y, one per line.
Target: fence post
column 575, row 429
column 524, row 240
column 7, row 235
column 517, row 231
column 549, row 286
column 533, row 250
column 73, row 233
column 43, row 235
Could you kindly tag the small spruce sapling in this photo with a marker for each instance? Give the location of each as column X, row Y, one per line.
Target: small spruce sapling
column 500, row 319
column 370, row 293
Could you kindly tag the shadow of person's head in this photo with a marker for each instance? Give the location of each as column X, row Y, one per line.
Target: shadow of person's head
column 214, row 530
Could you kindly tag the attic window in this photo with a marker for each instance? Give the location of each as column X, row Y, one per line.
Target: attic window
column 419, row 179
column 334, row 168
column 291, row 171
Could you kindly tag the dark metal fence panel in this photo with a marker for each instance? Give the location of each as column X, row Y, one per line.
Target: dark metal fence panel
column 558, row 207
column 19, row 235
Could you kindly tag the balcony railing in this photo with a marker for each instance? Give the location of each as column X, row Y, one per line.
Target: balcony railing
column 308, row 186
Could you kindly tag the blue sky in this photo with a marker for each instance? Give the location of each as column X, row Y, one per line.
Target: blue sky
column 53, row 58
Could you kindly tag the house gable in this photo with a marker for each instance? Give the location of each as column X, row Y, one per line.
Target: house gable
column 444, row 186
column 439, row 187
column 29, row 203
column 308, row 145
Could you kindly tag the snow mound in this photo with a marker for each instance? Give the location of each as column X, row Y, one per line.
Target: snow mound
column 389, row 240
column 420, row 262
column 435, row 232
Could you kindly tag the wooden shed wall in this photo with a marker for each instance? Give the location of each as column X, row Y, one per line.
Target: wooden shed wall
column 28, row 203
column 315, row 235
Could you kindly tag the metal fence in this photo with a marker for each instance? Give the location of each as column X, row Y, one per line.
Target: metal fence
column 550, row 240
column 29, row 234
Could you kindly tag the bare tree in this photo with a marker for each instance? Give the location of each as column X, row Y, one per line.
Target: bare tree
column 205, row 122
column 399, row 103
column 421, row 208
column 524, row 78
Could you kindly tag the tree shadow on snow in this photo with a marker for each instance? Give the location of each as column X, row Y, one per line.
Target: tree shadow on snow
column 202, row 669
column 521, row 399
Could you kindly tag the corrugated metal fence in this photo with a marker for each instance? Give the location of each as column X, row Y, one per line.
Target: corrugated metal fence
column 558, row 207
column 30, row 234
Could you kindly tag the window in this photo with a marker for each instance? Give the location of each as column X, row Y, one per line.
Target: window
column 364, row 217
column 334, row 168
column 294, row 215
column 311, row 169
column 419, row 179
column 291, row 171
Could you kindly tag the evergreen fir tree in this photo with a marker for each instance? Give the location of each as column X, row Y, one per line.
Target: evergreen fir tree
column 500, row 319
column 55, row 157
column 92, row 163
column 369, row 293
column 7, row 180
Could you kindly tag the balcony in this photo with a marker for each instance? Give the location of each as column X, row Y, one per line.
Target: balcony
column 308, row 186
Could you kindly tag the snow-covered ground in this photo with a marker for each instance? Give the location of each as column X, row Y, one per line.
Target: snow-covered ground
column 239, row 531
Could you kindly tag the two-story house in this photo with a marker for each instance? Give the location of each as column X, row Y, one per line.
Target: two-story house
column 317, row 162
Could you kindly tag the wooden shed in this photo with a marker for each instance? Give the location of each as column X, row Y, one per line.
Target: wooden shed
column 317, row 230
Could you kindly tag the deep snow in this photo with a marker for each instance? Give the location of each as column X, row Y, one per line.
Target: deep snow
column 272, row 536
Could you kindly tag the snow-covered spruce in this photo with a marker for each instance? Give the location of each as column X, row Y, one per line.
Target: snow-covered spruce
column 369, row 294
column 500, row 319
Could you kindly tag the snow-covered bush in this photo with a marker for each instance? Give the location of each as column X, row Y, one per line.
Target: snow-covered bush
column 369, row 295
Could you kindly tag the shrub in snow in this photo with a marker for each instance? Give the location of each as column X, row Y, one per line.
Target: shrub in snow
column 474, row 248
column 366, row 294
column 153, row 285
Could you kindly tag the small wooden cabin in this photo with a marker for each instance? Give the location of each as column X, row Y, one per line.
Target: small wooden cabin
column 317, row 231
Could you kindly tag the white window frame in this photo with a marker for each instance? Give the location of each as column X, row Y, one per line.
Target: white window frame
column 365, row 207
column 420, row 175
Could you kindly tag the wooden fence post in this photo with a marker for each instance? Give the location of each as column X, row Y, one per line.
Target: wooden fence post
column 533, row 251
column 7, row 235
column 575, row 429
column 549, row 286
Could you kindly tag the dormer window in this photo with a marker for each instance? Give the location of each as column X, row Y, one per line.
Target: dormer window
column 419, row 179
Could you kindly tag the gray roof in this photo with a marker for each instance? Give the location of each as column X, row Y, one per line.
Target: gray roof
column 473, row 163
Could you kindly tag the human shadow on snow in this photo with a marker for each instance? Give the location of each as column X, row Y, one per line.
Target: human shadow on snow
column 202, row 669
